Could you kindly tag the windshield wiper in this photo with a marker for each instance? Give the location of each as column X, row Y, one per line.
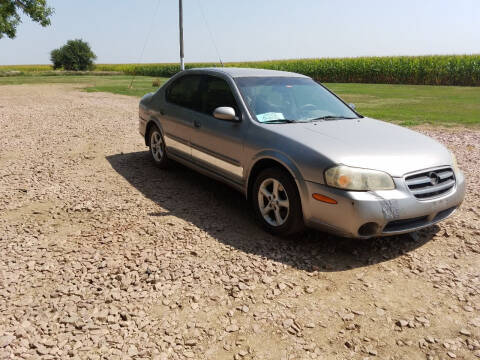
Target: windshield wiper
column 331, row 117
column 278, row 121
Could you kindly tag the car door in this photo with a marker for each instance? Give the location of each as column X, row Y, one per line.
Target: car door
column 218, row 144
column 182, row 102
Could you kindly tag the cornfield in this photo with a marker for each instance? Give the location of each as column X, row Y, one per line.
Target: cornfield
column 421, row 70
column 25, row 68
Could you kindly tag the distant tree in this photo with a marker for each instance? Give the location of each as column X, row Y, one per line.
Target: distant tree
column 74, row 55
column 37, row 10
column 56, row 58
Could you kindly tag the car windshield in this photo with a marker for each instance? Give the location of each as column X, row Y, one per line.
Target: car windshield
column 273, row 99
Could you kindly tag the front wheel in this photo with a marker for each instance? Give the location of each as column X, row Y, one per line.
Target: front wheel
column 276, row 202
column 157, row 147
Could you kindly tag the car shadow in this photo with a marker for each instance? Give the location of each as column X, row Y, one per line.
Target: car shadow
column 225, row 215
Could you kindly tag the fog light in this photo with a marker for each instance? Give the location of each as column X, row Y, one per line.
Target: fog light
column 324, row 198
column 368, row 229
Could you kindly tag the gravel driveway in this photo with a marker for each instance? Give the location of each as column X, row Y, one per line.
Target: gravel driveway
column 105, row 256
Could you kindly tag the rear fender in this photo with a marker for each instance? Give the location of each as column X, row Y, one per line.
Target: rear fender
column 152, row 121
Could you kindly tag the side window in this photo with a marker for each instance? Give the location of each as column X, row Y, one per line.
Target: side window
column 217, row 93
column 184, row 92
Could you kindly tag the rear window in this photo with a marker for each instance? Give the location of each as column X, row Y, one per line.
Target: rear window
column 184, row 92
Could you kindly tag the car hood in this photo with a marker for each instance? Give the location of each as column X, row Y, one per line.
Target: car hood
column 369, row 143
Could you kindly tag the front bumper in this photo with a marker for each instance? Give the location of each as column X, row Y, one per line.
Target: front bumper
column 365, row 214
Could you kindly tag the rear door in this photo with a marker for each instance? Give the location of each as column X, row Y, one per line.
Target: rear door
column 218, row 144
column 182, row 102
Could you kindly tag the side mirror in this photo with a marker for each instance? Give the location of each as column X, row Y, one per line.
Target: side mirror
column 225, row 113
column 352, row 106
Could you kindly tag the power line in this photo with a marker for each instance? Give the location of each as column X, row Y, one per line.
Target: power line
column 210, row 31
column 146, row 40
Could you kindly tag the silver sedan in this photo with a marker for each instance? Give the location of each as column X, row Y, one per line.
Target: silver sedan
column 301, row 156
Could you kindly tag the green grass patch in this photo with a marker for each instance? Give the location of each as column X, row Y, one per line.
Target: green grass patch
column 116, row 84
column 121, row 85
column 407, row 105
column 414, row 104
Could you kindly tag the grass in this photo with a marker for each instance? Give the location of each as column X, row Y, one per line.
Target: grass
column 116, row 84
column 121, row 85
column 414, row 104
column 407, row 105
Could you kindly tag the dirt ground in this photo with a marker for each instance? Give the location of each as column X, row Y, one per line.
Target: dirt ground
column 103, row 256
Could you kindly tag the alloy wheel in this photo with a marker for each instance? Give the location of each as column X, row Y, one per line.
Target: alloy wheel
column 156, row 146
column 273, row 202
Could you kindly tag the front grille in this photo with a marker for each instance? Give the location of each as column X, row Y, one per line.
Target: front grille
column 432, row 183
column 405, row 224
column 412, row 223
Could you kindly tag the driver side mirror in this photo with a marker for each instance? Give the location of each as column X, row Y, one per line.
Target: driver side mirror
column 352, row 106
column 225, row 113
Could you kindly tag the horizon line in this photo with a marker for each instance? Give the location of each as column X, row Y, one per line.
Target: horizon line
column 265, row 60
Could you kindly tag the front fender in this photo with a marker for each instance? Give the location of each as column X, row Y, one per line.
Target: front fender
column 288, row 164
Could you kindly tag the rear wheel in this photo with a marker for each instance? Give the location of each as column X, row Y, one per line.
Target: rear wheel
column 157, row 147
column 276, row 202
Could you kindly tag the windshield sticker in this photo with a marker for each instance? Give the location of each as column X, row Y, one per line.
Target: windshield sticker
column 269, row 116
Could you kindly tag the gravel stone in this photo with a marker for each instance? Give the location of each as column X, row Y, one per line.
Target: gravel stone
column 402, row 323
column 106, row 256
column 6, row 340
column 231, row 328
column 475, row 322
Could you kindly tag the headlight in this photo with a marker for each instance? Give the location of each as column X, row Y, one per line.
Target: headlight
column 454, row 163
column 350, row 178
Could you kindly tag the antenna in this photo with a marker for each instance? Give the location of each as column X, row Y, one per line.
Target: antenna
column 180, row 24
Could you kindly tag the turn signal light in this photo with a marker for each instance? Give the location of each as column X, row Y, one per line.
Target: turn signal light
column 324, row 198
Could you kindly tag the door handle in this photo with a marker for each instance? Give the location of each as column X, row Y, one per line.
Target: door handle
column 196, row 123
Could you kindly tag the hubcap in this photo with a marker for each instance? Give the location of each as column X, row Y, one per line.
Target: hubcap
column 273, row 202
column 156, row 146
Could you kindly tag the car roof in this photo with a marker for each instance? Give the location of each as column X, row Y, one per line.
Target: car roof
column 247, row 72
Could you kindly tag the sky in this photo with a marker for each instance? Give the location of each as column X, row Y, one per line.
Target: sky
column 118, row 30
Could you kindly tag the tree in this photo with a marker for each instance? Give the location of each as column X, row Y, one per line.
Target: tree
column 56, row 58
column 74, row 55
column 37, row 10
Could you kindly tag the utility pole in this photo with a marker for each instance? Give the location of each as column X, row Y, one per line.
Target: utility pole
column 180, row 24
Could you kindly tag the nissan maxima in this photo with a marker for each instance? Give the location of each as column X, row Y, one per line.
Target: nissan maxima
column 299, row 154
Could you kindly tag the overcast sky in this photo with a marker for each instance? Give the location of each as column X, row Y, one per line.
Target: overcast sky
column 251, row 29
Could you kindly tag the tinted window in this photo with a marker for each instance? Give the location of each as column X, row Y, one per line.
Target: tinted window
column 184, row 92
column 216, row 93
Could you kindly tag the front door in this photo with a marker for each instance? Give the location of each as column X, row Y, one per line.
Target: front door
column 218, row 144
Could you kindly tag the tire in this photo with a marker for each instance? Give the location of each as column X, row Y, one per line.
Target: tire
column 156, row 144
column 276, row 203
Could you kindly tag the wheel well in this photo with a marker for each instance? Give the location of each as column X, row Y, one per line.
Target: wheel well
column 147, row 132
column 259, row 167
